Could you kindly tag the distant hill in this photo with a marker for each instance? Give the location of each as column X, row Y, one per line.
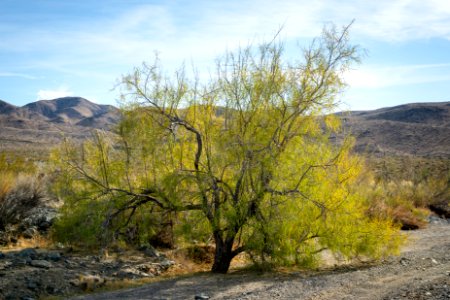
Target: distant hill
column 6, row 108
column 420, row 129
column 58, row 114
column 44, row 123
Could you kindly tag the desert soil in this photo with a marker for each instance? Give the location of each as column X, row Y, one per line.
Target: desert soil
column 422, row 271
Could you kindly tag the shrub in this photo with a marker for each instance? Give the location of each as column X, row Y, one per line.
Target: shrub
column 405, row 188
column 20, row 199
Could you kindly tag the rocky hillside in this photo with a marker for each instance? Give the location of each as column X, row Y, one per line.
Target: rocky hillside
column 43, row 123
column 58, row 114
column 420, row 129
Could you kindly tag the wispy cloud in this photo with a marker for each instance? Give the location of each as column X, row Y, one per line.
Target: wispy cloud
column 201, row 30
column 12, row 74
column 98, row 47
column 379, row 77
column 61, row 91
column 403, row 20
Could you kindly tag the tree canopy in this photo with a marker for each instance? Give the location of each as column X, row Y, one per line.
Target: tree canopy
column 249, row 159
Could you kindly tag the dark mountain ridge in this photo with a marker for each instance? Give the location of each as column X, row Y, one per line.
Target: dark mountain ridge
column 426, row 113
column 6, row 107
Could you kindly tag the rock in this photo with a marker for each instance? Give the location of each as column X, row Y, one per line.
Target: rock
column 441, row 208
column 29, row 233
column 165, row 264
column 432, row 219
column 89, row 282
column 148, row 268
column 2, row 255
column 433, row 261
column 28, row 253
column 201, row 296
column 53, row 256
column 20, row 262
column 149, row 251
column 39, row 263
column 130, row 272
column 404, row 261
column 40, row 217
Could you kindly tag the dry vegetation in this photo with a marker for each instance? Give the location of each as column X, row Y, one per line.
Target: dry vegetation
column 410, row 188
column 25, row 204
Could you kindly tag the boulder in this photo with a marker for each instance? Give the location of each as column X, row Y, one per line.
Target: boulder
column 29, row 233
column 441, row 208
column 27, row 253
column 53, row 256
column 149, row 251
column 40, row 263
column 40, row 218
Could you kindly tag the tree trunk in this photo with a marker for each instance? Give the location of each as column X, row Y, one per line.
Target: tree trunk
column 223, row 254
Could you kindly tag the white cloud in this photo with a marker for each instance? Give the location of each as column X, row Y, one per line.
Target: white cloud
column 380, row 77
column 62, row 91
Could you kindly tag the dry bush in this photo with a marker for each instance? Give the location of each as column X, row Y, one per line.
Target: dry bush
column 406, row 188
column 397, row 200
column 404, row 214
column 409, row 218
column 18, row 197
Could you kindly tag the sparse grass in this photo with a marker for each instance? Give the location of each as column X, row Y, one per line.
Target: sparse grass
column 404, row 188
column 408, row 218
column 37, row 241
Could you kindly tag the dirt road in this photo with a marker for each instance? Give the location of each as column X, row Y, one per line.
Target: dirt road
column 422, row 271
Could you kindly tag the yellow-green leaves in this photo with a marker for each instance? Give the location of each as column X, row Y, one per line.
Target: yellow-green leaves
column 249, row 152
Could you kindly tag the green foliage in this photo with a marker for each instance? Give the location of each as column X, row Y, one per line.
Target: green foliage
column 329, row 214
column 244, row 160
column 90, row 180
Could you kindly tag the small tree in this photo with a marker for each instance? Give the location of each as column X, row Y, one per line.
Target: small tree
column 248, row 153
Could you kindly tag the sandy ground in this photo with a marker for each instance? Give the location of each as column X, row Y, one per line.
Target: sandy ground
column 422, row 271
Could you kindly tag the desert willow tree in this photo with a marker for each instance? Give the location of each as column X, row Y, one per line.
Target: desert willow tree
column 248, row 154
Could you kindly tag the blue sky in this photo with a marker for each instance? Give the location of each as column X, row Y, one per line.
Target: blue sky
column 54, row 48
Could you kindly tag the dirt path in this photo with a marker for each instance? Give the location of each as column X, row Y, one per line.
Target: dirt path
column 422, row 271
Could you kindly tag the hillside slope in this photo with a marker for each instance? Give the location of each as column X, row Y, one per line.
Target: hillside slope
column 51, row 114
column 39, row 125
column 420, row 129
